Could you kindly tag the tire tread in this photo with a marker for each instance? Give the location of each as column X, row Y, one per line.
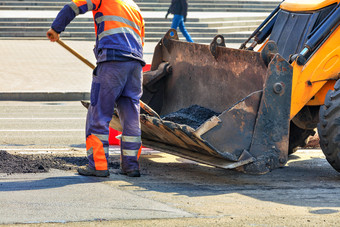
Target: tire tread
column 329, row 127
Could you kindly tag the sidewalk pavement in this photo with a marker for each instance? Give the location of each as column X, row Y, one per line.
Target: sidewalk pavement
column 39, row 70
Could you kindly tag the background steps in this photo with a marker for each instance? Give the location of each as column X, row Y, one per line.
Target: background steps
column 235, row 26
column 153, row 5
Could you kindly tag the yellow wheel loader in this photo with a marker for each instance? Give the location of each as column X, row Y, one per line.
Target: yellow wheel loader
column 248, row 108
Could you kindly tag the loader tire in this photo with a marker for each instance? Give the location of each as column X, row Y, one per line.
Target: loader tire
column 329, row 127
column 298, row 137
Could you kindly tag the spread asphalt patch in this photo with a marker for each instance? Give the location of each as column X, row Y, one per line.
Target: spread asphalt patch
column 39, row 163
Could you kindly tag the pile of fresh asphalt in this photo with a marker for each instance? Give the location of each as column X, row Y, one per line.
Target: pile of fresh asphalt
column 39, row 163
column 193, row 116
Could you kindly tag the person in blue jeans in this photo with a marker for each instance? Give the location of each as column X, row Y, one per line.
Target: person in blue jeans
column 179, row 9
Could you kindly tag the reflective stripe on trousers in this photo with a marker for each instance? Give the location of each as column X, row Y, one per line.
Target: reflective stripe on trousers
column 120, row 84
column 97, row 151
column 131, row 147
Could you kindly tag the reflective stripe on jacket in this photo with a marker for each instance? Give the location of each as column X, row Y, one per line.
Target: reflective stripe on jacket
column 118, row 23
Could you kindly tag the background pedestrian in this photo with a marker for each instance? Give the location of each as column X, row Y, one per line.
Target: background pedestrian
column 179, row 9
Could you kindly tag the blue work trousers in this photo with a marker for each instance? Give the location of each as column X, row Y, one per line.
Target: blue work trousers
column 178, row 21
column 115, row 84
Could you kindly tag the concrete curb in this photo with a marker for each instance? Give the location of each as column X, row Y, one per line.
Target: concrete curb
column 44, row 96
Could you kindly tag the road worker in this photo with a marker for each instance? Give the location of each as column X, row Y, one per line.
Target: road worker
column 117, row 79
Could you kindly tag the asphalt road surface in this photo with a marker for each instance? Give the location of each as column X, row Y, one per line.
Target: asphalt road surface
column 42, row 124
column 171, row 192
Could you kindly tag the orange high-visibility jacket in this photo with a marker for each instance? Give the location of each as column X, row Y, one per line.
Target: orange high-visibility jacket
column 119, row 24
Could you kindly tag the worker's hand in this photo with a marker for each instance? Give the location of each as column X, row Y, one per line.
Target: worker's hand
column 52, row 35
column 166, row 15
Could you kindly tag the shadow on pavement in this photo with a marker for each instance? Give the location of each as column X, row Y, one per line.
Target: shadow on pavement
column 300, row 182
column 46, row 183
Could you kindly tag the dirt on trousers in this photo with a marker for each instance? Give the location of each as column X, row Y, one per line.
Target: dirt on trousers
column 39, row 163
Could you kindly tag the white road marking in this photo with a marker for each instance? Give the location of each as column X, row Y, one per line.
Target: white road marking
column 35, row 149
column 42, row 130
column 112, row 150
column 43, row 118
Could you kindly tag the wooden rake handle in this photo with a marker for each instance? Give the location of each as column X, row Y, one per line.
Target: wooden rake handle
column 75, row 53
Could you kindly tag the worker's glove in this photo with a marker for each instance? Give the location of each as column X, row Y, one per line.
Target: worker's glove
column 166, row 15
column 185, row 19
column 52, row 35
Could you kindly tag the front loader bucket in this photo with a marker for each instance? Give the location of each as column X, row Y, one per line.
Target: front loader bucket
column 247, row 93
